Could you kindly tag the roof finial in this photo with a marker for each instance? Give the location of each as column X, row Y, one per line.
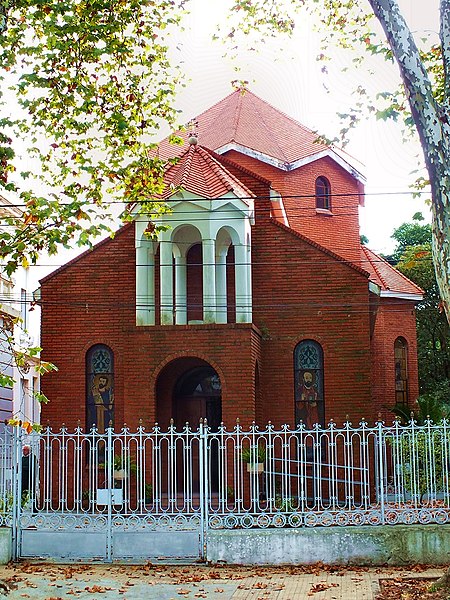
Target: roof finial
column 193, row 132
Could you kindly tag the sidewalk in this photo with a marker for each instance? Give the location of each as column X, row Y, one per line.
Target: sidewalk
column 40, row 581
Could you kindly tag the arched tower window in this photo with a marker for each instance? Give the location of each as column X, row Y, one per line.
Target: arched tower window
column 308, row 378
column 401, row 371
column 99, row 387
column 194, row 283
column 323, row 193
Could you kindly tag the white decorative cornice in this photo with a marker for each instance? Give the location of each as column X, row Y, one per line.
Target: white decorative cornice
column 286, row 166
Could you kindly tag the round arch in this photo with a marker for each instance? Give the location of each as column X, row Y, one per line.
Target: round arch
column 188, row 389
column 185, row 236
column 227, row 235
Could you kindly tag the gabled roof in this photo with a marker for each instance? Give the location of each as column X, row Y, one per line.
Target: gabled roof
column 107, row 240
column 244, row 122
column 337, row 257
column 198, row 172
column 392, row 282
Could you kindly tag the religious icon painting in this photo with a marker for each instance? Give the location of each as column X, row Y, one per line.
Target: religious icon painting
column 308, row 371
column 99, row 388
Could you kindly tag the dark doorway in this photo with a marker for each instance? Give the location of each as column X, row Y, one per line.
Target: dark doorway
column 198, row 395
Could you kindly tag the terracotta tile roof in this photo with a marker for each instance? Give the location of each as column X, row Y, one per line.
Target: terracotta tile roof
column 200, row 173
column 245, row 119
column 384, row 275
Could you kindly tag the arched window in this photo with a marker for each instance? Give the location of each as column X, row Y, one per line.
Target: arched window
column 308, row 378
column 99, row 387
column 401, row 371
column 194, row 283
column 323, row 193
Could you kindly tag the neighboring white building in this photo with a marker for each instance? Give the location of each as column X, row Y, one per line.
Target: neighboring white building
column 19, row 329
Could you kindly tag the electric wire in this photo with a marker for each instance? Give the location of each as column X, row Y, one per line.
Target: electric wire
column 253, row 197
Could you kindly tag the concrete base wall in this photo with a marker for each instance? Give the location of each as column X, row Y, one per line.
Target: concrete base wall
column 5, row 545
column 378, row 545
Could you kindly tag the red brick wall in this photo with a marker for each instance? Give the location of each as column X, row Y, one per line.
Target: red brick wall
column 395, row 318
column 299, row 292
column 92, row 301
column 338, row 232
column 310, row 295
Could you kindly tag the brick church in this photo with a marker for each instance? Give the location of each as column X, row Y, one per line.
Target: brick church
column 257, row 301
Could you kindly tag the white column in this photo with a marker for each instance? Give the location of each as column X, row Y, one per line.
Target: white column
column 209, row 281
column 166, row 282
column 221, row 287
column 249, row 284
column 242, row 277
column 145, row 283
column 180, row 291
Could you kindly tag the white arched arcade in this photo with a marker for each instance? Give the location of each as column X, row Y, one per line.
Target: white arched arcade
column 212, row 231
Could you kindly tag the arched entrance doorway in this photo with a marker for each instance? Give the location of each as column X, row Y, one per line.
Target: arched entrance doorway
column 198, row 395
column 189, row 389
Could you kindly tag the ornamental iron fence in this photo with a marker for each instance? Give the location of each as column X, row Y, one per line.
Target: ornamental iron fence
column 191, row 480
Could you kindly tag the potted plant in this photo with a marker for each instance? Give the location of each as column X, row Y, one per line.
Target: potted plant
column 254, row 456
column 123, row 466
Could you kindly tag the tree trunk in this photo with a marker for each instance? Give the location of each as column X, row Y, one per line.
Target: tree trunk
column 441, row 238
column 432, row 121
column 442, row 582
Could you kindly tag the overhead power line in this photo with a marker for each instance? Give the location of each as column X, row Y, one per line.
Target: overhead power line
column 89, row 304
column 255, row 197
column 292, row 262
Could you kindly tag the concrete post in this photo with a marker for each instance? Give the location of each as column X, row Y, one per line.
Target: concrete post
column 242, row 276
column 180, row 291
column 145, row 283
column 221, row 287
column 209, row 281
column 166, row 282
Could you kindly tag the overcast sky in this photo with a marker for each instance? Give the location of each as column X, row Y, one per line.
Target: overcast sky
column 285, row 74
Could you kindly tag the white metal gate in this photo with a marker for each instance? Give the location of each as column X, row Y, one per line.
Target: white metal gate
column 155, row 495
column 112, row 496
